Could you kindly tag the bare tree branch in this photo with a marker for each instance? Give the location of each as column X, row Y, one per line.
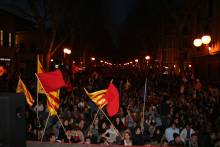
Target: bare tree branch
column 58, row 46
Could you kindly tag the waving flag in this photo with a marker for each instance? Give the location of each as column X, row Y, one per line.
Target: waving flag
column 112, row 98
column 39, row 70
column 51, row 81
column 109, row 97
column 98, row 97
column 21, row 88
column 53, row 102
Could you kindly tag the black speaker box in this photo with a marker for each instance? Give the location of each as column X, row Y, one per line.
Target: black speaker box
column 12, row 120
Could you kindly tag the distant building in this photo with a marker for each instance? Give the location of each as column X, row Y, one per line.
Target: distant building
column 12, row 40
column 177, row 47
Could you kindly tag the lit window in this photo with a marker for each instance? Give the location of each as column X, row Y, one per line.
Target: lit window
column 9, row 40
column 1, row 37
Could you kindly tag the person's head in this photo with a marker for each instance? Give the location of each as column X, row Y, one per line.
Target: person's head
column 217, row 143
column 188, row 126
column 96, row 121
column 164, row 143
column 157, row 131
column 111, row 126
column 87, row 140
column 138, row 130
column 71, row 121
column 104, row 125
column 52, row 138
column 66, row 122
column 177, row 138
column 194, row 138
column 127, row 135
column 117, row 120
column 81, row 123
column 173, row 125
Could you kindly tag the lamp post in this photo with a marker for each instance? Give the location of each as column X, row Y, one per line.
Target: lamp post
column 197, row 42
column 206, row 39
column 93, row 58
column 66, row 51
column 147, row 58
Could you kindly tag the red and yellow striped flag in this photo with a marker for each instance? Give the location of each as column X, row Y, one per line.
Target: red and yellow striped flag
column 98, row 97
column 53, row 102
column 21, row 88
column 39, row 70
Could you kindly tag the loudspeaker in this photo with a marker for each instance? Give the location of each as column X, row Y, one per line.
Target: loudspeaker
column 12, row 120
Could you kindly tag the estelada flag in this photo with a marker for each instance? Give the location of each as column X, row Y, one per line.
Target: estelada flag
column 53, row 102
column 98, row 97
column 39, row 70
column 51, row 81
column 112, row 98
column 21, row 88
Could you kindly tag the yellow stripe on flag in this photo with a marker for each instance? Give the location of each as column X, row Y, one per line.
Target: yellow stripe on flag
column 39, row 70
column 21, row 88
column 53, row 102
column 98, row 97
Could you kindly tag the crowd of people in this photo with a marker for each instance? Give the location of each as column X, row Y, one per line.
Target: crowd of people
column 179, row 111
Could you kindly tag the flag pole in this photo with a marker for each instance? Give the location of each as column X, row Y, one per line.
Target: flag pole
column 52, row 106
column 93, row 121
column 110, row 122
column 45, row 127
column 37, row 88
column 145, row 92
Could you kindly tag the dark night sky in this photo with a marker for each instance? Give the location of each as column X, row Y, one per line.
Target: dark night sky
column 118, row 29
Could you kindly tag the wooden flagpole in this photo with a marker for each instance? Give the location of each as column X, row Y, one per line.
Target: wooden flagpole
column 45, row 127
column 110, row 122
column 52, row 105
column 37, row 89
column 95, row 117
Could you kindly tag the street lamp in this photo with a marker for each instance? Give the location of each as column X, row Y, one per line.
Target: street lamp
column 206, row 39
column 147, row 57
column 197, row 42
column 66, row 51
column 136, row 60
column 93, row 58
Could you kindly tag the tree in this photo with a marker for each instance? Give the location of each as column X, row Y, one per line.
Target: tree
column 56, row 22
column 180, row 18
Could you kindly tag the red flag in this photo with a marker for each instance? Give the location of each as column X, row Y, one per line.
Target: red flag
column 112, row 97
column 51, row 81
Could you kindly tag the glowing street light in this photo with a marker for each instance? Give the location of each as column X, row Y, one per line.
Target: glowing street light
column 147, row 57
column 93, row 58
column 131, row 62
column 101, row 61
column 51, row 60
column 66, row 51
column 206, row 39
column 190, row 65
column 197, row 42
column 136, row 60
